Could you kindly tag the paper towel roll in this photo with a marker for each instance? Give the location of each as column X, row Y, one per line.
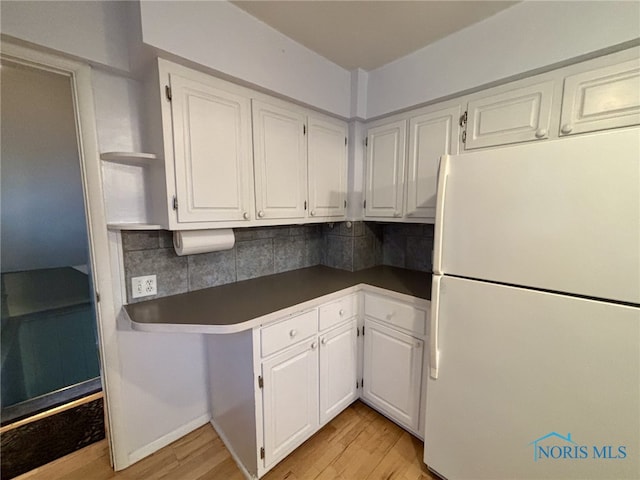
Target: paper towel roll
column 189, row 242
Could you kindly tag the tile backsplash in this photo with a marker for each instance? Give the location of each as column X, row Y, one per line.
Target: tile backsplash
column 352, row 245
column 260, row 251
column 257, row 252
column 408, row 245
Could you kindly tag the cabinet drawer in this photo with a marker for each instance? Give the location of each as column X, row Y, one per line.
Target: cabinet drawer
column 288, row 332
column 336, row 312
column 396, row 313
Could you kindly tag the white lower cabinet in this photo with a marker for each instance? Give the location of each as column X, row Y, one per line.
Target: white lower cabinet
column 290, row 400
column 309, row 382
column 273, row 387
column 338, row 370
column 393, row 372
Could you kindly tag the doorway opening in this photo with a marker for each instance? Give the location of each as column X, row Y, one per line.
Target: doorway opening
column 49, row 343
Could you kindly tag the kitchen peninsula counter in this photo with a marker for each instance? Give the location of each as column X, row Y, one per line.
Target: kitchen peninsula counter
column 244, row 305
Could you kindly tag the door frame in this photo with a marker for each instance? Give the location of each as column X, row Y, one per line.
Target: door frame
column 79, row 75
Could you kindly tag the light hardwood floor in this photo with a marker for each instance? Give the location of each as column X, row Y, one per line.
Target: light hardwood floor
column 359, row 444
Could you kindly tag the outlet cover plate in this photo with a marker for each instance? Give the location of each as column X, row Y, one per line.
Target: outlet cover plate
column 144, row 286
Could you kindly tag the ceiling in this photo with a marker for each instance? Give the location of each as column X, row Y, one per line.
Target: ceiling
column 369, row 34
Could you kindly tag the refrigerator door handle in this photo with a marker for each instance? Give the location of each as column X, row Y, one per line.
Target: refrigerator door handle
column 441, row 191
column 434, row 354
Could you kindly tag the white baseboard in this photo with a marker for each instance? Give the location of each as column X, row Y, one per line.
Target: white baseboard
column 165, row 440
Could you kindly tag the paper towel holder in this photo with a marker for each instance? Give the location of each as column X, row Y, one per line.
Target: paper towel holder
column 193, row 242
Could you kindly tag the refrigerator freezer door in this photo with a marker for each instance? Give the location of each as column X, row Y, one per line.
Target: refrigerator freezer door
column 558, row 215
column 533, row 385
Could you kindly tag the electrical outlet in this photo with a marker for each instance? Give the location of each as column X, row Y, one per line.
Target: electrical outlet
column 143, row 286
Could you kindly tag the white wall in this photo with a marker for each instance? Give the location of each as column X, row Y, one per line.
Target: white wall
column 163, row 379
column 524, row 37
column 43, row 218
column 95, row 31
column 164, row 388
column 223, row 37
column 161, row 383
column 118, row 119
column 359, row 80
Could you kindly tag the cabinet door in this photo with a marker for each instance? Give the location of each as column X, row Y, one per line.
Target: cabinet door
column 513, row 116
column 393, row 372
column 338, row 370
column 279, row 161
column 430, row 136
column 385, row 169
column 290, row 400
column 604, row 98
column 212, row 148
column 327, row 163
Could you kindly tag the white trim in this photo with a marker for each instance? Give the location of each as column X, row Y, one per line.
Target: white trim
column 117, row 269
column 170, row 437
column 82, row 93
column 235, row 457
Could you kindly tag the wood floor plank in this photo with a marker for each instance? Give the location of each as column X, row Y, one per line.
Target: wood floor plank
column 97, row 452
column 153, row 466
column 226, row 469
column 362, row 455
column 359, row 444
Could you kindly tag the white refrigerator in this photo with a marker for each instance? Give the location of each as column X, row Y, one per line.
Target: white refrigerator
column 535, row 319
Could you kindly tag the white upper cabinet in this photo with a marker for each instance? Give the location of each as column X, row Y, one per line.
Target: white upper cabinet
column 607, row 97
column 386, row 152
column 327, row 163
column 279, row 149
column 229, row 156
column 510, row 116
column 212, row 152
column 431, row 135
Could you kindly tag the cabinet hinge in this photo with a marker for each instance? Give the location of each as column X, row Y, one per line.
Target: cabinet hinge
column 345, row 141
column 362, row 383
column 463, row 119
column 363, row 330
column 305, row 204
column 345, row 204
column 357, row 332
column 260, row 381
column 175, row 202
column 304, row 129
column 97, row 297
column 261, row 452
column 167, row 91
column 365, row 204
column 464, row 136
column 366, row 141
column 357, row 385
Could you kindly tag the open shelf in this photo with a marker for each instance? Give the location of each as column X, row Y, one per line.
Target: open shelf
column 129, row 158
column 133, row 226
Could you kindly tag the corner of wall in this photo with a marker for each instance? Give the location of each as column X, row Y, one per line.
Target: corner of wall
column 359, row 81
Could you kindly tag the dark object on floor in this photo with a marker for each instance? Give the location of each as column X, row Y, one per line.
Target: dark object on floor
column 40, row 442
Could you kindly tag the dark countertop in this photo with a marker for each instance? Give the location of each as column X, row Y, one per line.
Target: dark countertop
column 240, row 302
